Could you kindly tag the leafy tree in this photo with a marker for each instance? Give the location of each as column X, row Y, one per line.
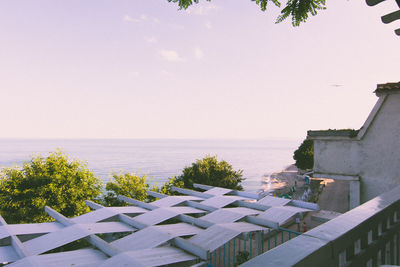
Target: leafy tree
column 166, row 188
column 54, row 181
column 212, row 172
column 299, row 10
column 304, row 155
column 129, row 185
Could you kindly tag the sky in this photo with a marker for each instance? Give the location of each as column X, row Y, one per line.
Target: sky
column 221, row 69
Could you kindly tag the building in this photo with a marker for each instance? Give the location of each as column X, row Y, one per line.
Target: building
column 368, row 158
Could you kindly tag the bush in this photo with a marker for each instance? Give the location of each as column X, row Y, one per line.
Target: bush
column 210, row 171
column 304, row 155
column 166, row 188
column 54, row 181
column 129, row 185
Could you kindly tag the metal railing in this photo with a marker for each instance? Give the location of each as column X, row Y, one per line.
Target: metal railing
column 367, row 235
column 249, row 246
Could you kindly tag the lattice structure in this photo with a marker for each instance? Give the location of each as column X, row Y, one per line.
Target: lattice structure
column 184, row 230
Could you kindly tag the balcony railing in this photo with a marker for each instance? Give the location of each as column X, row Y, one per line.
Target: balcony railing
column 367, row 235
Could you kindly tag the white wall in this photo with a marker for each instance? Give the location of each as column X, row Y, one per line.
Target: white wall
column 374, row 157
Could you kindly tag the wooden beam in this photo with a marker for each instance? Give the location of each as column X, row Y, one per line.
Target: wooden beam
column 191, row 192
column 190, row 247
column 136, row 202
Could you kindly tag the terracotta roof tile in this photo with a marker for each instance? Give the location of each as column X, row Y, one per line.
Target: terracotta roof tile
column 387, row 88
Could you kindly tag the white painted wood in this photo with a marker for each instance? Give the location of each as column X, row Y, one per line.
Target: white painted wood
column 168, row 201
column 244, row 211
column 148, row 237
column 149, row 257
column 219, row 201
column 179, row 229
column 273, row 201
column 81, row 257
column 214, row 237
column 54, row 240
column 278, row 215
column 8, row 254
column 155, row 216
column 223, row 216
column 218, row 191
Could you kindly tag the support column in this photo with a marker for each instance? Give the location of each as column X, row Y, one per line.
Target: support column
column 354, row 194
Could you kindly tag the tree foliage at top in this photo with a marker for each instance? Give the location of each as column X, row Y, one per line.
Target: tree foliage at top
column 298, row 10
column 54, row 181
column 304, row 155
column 210, row 171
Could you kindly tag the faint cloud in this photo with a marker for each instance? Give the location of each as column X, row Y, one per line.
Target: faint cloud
column 141, row 18
column 151, row 39
column 198, row 53
column 127, row 18
column 208, row 24
column 164, row 72
column 171, row 55
column 201, row 9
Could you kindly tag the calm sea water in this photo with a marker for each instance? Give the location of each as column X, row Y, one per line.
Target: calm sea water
column 159, row 159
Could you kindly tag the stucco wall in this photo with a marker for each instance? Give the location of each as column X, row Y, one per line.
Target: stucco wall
column 380, row 155
column 337, row 157
column 375, row 158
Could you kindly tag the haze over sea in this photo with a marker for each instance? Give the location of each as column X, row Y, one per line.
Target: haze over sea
column 159, row 159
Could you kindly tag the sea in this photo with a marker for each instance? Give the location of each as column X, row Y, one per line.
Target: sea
column 159, row 159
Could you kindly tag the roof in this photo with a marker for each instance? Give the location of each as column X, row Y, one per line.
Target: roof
column 341, row 132
column 387, row 88
column 144, row 234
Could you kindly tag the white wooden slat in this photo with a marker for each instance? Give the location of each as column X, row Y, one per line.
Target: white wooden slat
column 76, row 258
column 95, row 216
column 219, row 201
column 8, row 254
column 34, row 228
column 149, row 237
column 218, row 191
column 244, row 211
column 106, row 213
column 107, row 227
column 121, row 260
column 4, row 232
column 242, row 227
column 54, row 240
column 128, row 210
column 213, row 237
column 167, row 202
column 185, row 210
column 26, row 262
column 179, row 229
column 155, row 216
column 294, row 209
column 149, row 257
column 278, row 215
column 273, row 201
column 223, row 216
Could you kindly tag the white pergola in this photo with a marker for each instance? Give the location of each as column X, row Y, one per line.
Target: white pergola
column 173, row 229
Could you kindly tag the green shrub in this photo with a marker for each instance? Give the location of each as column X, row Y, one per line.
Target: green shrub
column 129, row 184
column 304, row 155
column 54, row 181
column 210, row 171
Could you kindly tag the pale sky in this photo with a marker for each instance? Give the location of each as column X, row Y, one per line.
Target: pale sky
column 221, row 69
